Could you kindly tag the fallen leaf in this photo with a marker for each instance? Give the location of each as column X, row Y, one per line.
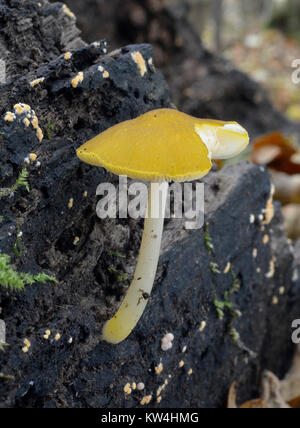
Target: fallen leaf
column 231, row 401
column 255, row 404
column 295, row 403
column 277, row 152
column 271, row 391
column 291, row 215
column 290, row 385
column 252, row 404
column 287, row 187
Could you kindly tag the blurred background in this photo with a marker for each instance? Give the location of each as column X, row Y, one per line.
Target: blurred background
column 199, row 45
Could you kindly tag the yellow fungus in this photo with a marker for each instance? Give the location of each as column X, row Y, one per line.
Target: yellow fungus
column 269, row 211
column 25, row 349
column 227, row 268
column 78, row 79
column 68, row 55
column 35, row 122
column 266, row 239
column 9, row 117
column 127, row 389
column 160, row 146
column 76, row 240
column 37, row 82
column 202, row 326
column 33, row 157
column 106, row 74
column 275, row 300
column 26, row 122
column 71, row 203
column 68, row 12
column 57, row 336
column 190, row 372
column 140, row 61
column 18, row 108
column 159, row 369
column 271, row 272
column 39, row 134
column 181, row 363
column 146, row 400
column 27, row 343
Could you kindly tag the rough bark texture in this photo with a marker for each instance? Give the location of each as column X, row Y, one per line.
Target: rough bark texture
column 75, row 369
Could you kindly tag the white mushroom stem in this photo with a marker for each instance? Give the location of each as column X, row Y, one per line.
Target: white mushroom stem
column 123, row 322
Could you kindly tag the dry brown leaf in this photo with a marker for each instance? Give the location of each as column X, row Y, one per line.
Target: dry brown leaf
column 271, row 391
column 277, row 152
column 291, row 214
column 252, row 404
column 255, row 404
column 231, row 401
column 287, row 188
column 295, row 403
column 290, row 386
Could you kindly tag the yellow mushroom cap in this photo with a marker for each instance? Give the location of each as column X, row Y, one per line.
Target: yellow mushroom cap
column 162, row 144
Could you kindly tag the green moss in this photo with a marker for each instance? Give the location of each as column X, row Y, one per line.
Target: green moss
column 208, row 241
column 21, row 182
column 16, row 281
column 116, row 254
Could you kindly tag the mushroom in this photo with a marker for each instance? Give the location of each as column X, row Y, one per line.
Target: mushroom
column 160, row 146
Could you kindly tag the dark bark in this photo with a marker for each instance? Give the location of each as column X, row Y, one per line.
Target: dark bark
column 83, row 372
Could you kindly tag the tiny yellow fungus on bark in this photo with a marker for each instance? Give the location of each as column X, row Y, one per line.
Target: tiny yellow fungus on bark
column 146, row 400
column 127, row 389
column 202, row 326
column 37, row 82
column 159, row 368
column 68, row 55
column 68, row 12
column 227, row 268
column 77, row 79
column 27, row 343
column 140, row 61
column 9, row 117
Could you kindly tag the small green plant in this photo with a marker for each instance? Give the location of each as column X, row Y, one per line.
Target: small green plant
column 214, row 267
column 50, row 128
column 208, row 241
column 21, row 181
column 120, row 276
column 10, row 278
column 116, row 254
